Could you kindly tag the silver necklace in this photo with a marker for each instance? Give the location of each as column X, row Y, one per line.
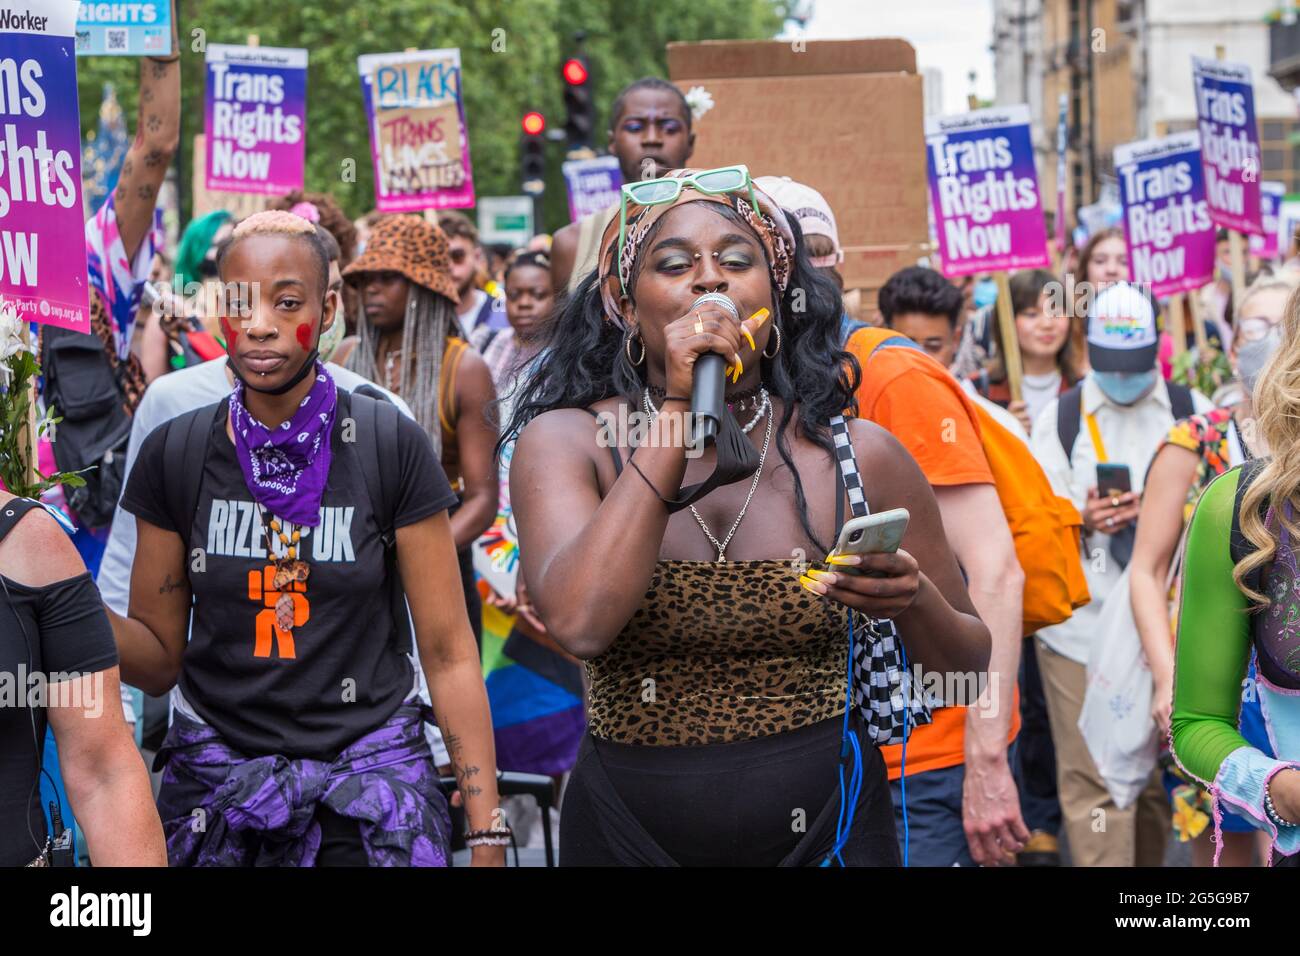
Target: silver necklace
column 764, row 409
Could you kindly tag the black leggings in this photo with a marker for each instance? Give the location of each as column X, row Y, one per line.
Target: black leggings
column 758, row 802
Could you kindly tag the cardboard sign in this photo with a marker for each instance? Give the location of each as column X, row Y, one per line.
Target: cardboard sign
column 593, row 185
column 42, row 233
column 124, row 28
column 1225, row 111
column 418, row 139
column 1167, row 221
column 255, row 119
column 507, row 219
column 984, row 191
column 1268, row 244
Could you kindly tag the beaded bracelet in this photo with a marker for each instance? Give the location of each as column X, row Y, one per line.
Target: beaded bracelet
column 489, row 832
column 1271, row 812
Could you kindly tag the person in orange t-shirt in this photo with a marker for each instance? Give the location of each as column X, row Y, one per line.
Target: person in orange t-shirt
column 961, row 800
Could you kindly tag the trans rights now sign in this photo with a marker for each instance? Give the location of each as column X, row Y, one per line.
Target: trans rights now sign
column 255, row 119
column 1225, row 114
column 1167, row 222
column 984, row 191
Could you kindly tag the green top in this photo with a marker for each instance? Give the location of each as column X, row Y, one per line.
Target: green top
column 1214, row 639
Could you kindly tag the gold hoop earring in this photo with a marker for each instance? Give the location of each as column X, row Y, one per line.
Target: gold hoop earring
column 627, row 347
column 777, row 330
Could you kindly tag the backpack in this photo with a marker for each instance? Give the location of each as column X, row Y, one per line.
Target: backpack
column 376, row 418
column 1069, row 412
column 82, row 387
column 1045, row 528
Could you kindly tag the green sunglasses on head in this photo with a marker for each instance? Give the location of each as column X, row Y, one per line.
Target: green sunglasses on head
column 657, row 192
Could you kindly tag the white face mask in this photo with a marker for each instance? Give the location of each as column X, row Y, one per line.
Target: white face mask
column 331, row 337
column 1253, row 356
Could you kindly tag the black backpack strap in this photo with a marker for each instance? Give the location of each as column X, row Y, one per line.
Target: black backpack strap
column 14, row 512
column 376, row 423
column 1069, row 408
column 185, row 446
column 1239, row 546
column 1180, row 401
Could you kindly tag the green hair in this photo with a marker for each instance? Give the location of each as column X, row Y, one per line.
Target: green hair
column 195, row 243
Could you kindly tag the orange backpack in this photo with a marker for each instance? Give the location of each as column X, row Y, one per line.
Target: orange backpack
column 1045, row 527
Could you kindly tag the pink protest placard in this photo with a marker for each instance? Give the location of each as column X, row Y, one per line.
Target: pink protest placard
column 1167, row 222
column 42, row 232
column 255, row 119
column 1225, row 113
column 419, row 142
column 984, row 191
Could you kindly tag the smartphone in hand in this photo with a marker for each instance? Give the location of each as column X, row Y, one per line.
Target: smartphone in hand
column 880, row 533
column 1113, row 480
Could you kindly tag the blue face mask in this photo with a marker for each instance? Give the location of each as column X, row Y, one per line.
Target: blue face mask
column 1125, row 388
column 986, row 293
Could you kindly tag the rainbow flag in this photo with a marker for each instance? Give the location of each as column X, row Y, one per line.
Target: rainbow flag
column 535, row 695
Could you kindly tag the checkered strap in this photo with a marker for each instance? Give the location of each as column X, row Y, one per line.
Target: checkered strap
column 882, row 690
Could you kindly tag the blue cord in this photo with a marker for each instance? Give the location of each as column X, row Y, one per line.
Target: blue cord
column 902, row 776
column 848, row 745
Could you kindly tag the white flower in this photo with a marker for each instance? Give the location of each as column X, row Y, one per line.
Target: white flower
column 699, row 100
column 11, row 339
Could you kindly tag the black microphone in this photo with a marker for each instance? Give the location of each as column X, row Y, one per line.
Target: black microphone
column 709, row 384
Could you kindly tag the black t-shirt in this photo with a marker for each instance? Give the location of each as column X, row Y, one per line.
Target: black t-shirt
column 67, row 633
column 342, row 670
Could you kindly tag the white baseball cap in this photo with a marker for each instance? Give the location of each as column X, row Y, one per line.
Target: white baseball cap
column 810, row 208
column 1122, row 330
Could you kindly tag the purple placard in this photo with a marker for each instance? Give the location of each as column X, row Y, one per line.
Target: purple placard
column 42, row 230
column 1167, row 222
column 255, row 118
column 1270, row 202
column 1225, row 111
column 984, row 191
column 593, row 185
column 419, row 142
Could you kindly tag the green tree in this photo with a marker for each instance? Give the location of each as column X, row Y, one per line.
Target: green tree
column 511, row 53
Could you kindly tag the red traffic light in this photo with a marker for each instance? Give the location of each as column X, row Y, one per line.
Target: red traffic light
column 575, row 72
column 534, row 123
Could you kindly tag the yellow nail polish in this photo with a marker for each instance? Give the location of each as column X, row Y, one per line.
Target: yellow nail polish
column 759, row 317
column 849, row 560
column 748, row 338
column 740, row 369
column 825, row 577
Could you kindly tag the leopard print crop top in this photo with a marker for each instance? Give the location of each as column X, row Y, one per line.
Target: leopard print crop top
column 718, row 653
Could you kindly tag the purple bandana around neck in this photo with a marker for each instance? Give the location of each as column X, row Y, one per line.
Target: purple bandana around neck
column 285, row 468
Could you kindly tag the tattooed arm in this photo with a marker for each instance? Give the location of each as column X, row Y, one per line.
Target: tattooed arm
column 426, row 560
column 157, row 135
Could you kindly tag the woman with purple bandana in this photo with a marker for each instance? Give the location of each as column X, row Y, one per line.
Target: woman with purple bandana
column 297, row 734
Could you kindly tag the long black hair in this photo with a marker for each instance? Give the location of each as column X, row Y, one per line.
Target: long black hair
column 584, row 359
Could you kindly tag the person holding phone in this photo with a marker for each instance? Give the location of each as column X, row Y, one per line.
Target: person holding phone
column 718, row 681
column 1094, row 441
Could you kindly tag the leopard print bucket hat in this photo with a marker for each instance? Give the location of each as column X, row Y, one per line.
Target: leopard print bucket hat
column 412, row 246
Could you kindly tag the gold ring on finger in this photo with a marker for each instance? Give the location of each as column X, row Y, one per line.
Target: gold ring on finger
column 1114, row 502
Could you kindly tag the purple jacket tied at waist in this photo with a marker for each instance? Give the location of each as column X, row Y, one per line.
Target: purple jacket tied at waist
column 220, row 807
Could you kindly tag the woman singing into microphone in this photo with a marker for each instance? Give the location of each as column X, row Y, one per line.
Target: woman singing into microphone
column 718, row 682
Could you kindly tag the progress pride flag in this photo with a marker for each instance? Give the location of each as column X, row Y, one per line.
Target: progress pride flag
column 1167, row 221
column 42, row 233
column 1225, row 111
column 984, row 191
column 255, row 118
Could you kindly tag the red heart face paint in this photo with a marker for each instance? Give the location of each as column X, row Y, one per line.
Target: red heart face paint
column 304, row 332
column 229, row 331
